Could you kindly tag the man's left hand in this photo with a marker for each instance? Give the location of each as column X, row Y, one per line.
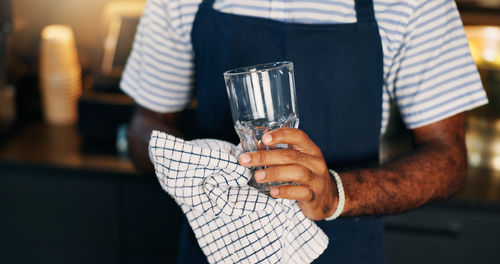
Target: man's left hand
column 302, row 163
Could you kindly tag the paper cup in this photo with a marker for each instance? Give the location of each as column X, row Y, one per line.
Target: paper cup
column 58, row 48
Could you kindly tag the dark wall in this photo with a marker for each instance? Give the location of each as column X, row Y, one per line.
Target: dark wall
column 5, row 12
column 5, row 28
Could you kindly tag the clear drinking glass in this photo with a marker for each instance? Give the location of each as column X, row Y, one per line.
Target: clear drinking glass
column 262, row 98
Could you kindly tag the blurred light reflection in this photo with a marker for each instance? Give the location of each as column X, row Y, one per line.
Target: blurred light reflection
column 484, row 43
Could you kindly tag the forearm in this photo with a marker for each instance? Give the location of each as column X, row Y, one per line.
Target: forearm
column 142, row 124
column 434, row 170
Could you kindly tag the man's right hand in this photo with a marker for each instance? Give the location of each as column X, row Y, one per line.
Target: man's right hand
column 143, row 122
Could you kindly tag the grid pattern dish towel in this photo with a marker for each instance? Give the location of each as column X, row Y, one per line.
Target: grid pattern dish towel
column 233, row 222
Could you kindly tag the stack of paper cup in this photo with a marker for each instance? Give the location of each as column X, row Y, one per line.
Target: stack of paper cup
column 60, row 74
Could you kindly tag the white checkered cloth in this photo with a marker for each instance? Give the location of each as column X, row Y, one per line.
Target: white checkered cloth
column 233, row 222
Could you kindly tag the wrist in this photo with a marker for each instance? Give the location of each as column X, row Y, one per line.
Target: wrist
column 340, row 194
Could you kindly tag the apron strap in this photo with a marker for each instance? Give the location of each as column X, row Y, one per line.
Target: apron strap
column 364, row 11
column 209, row 3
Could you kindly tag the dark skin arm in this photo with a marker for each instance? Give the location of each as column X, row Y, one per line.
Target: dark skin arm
column 142, row 124
column 434, row 170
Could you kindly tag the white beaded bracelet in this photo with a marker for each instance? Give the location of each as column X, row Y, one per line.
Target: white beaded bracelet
column 341, row 203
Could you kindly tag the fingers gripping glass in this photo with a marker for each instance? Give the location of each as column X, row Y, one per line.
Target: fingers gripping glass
column 262, row 98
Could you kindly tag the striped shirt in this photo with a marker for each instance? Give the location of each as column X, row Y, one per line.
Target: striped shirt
column 428, row 70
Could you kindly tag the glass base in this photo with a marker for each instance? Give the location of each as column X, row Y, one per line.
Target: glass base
column 265, row 187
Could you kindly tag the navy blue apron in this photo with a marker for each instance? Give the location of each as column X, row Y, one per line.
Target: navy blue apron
column 338, row 77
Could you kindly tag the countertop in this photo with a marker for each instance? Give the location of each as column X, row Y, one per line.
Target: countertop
column 58, row 145
column 61, row 146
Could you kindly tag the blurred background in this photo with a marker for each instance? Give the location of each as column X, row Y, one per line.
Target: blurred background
column 69, row 193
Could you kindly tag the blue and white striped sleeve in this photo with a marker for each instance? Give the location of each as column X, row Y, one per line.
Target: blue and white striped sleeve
column 159, row 70
column 436, row 76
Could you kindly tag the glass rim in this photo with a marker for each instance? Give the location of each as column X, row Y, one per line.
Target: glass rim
column 263, row 67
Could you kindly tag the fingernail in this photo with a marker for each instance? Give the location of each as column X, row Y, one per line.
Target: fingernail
column 244, row 158
column 267, row 139
column 275, row 191
column 260, row 175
